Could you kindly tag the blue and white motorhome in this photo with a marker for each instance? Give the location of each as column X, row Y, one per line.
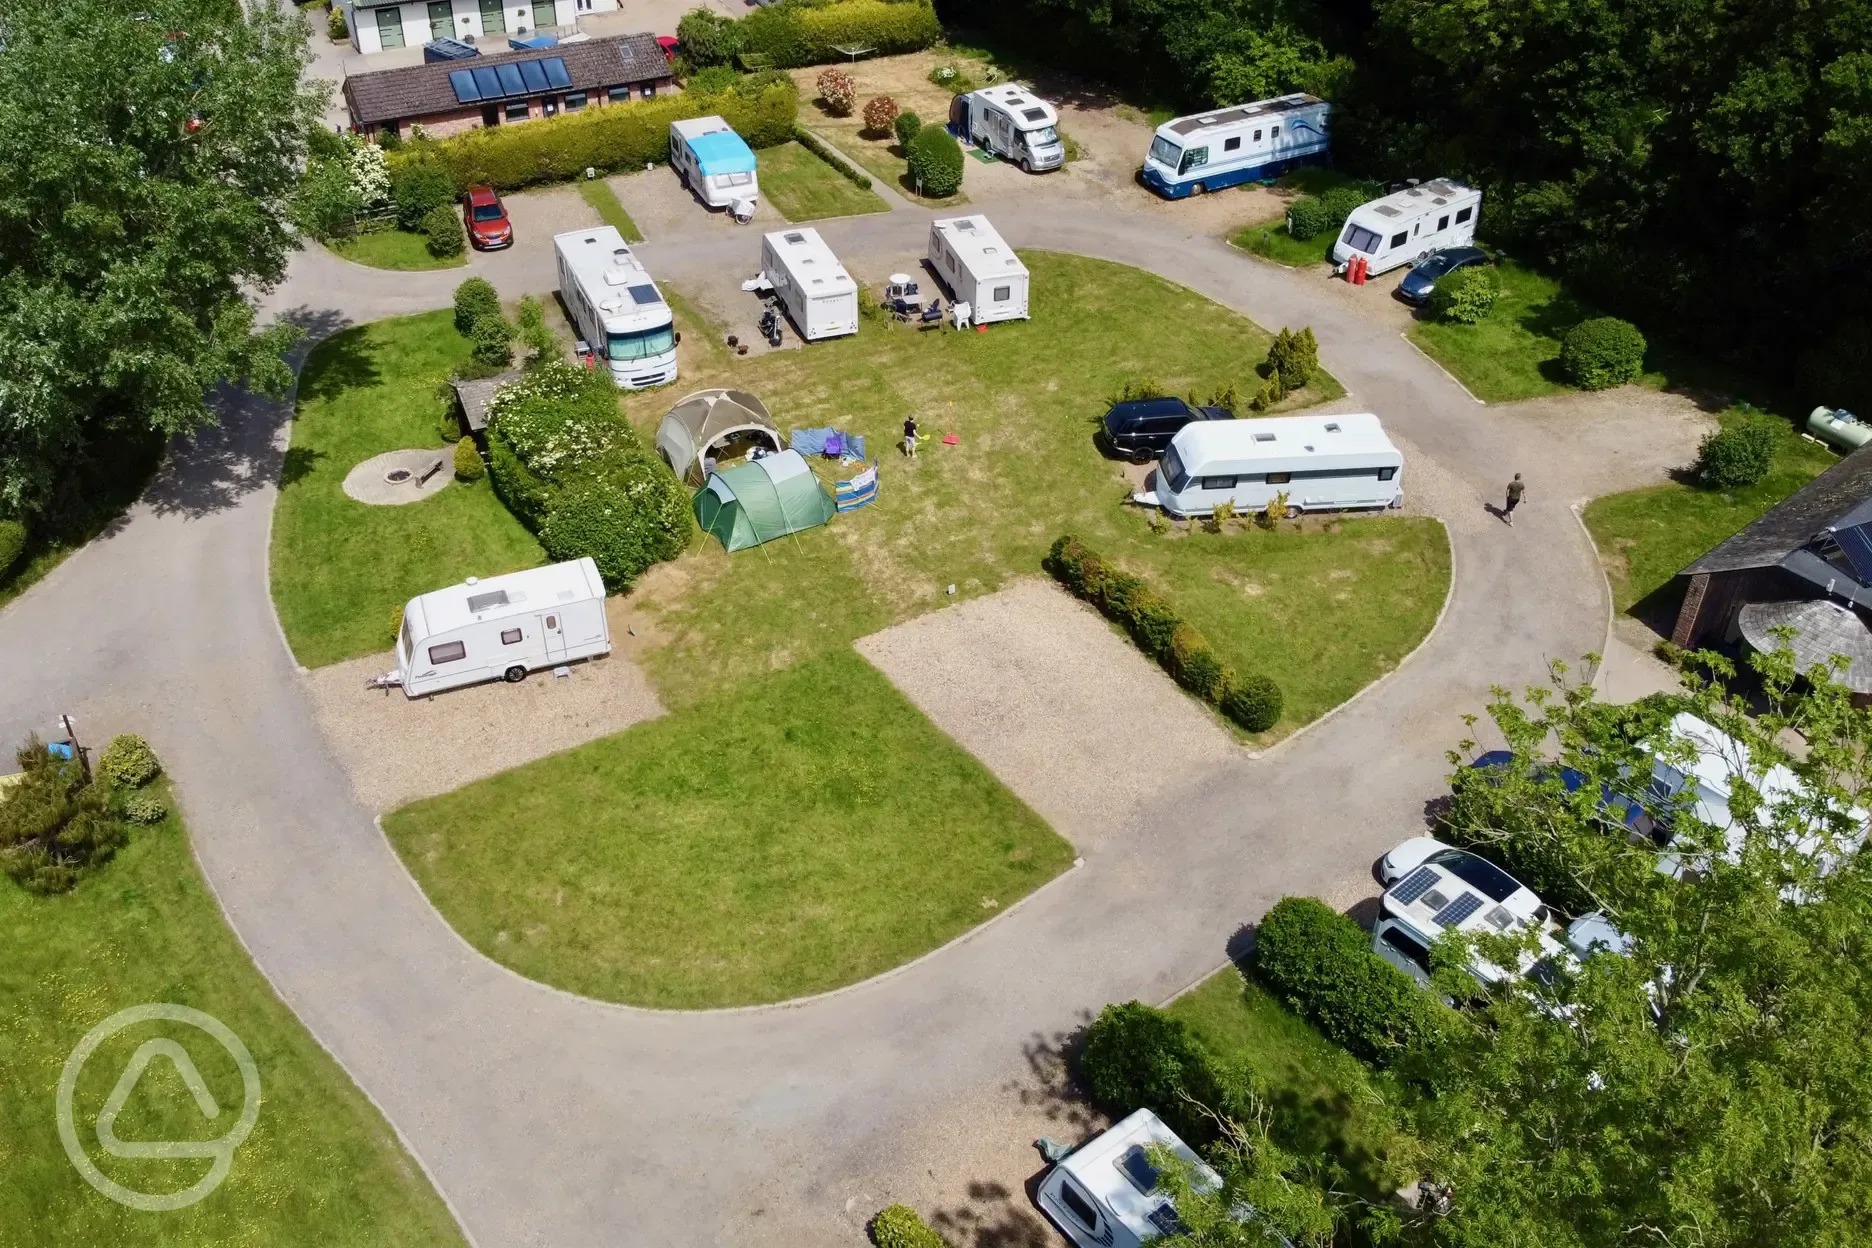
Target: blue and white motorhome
column 1229, row 146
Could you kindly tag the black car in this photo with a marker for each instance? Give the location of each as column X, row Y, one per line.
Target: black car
column 1424, row 275
column 1140, row 429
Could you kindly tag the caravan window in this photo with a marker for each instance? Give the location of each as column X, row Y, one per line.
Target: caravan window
column 1231, row 145
column 1257, row 136
column 1194, row 158
column 1080, row 1207
column 409, row 643
column 1003, row 293
column 1164, row 152
column 1385, row 474
column 510, row 636
column 1358, row 238
column 1173, row 472
column 1218, row 483
column 1463, row 215
column 1279, row 478
column 1443, row 222
column 1411, row 949
column 1399, row 239
column 448, row 652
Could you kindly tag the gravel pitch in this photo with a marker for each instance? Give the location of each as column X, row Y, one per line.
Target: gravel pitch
column 397, row 749
column 1059, row 706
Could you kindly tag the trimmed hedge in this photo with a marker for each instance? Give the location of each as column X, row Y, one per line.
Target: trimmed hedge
column 444, row 231
column 1306, row 218
column 615, row 137
column 1465, row 297
column 811, row 142
column 906, row 127
column 1138, row 1057
column 469, row 466
column 1602, row 352
column 1321, row 964
column 1255, row 703
column 12, row 544
column 791, row 34
column 128, row 762
column 900, row 1226
column 936, row 161
column 1737, row 456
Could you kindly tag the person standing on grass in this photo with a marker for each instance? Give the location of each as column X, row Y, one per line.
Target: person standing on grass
column 1515, row 491
column 910, row 436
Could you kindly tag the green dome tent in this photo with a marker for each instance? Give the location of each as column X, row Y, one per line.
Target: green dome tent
column 763, row 499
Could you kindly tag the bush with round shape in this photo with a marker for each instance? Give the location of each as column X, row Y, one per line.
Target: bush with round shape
column 709, row 39
column 1340, row 202
column 474, row 299
column 1602, row 352
column 145, row 808
column 1139, row 1057
column 1306, row 218
column 1738, row 456
column 128, row 762
column 838, row 91
column 906, row 127
column 418, row 188
column 1195, row 665
column 469, row 466
column 935, row 160
column 12, row 544
column 443, row 229
column 1466, row 296
column 493, row 342
column 1254, row 701
column 880, row 114
column 625, row 514
column 900, row 1226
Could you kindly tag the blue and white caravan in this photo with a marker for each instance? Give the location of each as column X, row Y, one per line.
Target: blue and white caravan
column 1229, row 146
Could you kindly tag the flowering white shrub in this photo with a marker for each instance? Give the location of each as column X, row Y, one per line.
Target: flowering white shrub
column 370, row 176
column 542, row 418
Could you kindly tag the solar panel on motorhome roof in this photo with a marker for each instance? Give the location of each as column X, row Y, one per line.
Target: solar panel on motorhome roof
column 1856, row 544
column 645, row 293
column 1457, row 911
column 1414, row 887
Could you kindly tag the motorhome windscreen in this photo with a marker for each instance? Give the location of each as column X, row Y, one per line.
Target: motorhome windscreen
column 1358, row 238
column 1045, row 136
column 1164, row 152
column 641, row 344
column 1479, row 872
column 1174, row 474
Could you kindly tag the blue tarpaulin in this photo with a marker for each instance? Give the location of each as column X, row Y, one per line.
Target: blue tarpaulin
column 815, row 442
column 532, row 42
column 722, row 152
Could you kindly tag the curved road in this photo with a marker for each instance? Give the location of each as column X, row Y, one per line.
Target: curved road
column 549, row 1120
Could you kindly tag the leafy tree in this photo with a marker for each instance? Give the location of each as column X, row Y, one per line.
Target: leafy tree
column 708, row 38
column 1139, row 1057
column 1710, row 1086
column 150, row 154
column 1268, row 1196
column 418, row 188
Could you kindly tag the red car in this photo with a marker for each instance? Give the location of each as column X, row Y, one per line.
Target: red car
column 670, row 47
column 486, row 217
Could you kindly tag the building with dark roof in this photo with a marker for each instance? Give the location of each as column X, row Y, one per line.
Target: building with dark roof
column 1816, row 544
column 447, row 97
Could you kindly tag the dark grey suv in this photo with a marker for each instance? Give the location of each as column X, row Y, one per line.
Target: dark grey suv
column 1140, row 429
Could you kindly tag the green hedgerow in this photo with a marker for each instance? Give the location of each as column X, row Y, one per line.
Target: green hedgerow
column 1254, row 701
column 1195, row 665
column 145, row 808
column 128, row 762
column 474, row 299
column 1466, row 296
column 935, row 160
column 469, row 466
column 900, row 1226
column 1340, row 202
column 1737, row 456
column 12, row 543
column 1602, row 352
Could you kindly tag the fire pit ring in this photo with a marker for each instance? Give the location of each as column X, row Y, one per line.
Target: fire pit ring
column 397, row 476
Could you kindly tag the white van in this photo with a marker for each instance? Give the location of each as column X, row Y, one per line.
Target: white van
column 1013, row 123
column 1104, row 1193
column 1404, row 227
column 1435, row 888
column 501, row 628
column 979, row 268
column 1321, row 463
column 714, row 162
column 809, row 281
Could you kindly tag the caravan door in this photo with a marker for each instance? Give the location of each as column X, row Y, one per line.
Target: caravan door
column 552, row 635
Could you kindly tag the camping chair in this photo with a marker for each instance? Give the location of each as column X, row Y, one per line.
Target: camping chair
column 932, row 315
column 901, row 309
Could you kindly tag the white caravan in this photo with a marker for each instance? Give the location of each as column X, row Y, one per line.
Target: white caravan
column 1228, row 146
column 501, row 628
column 616, row 307
column 1436, row 888
column 1321, row 463
column 714, row 162
column 1104, row 1193
column 1403, row 227
column 809, row 281
column 979, row 268
column 1013, row 123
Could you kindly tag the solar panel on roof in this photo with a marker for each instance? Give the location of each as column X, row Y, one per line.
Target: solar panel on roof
column 1458, row 910
column 1414, row 887
column 532, row 75
column 510, row 80
column 487, row 82
column 645, row 293
column 466, row 92
column 1856, row 544
column 556, row 75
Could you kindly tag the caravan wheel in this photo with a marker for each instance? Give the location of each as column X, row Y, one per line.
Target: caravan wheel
column 1293, row 512
column 514, row 675
column 1199, row 188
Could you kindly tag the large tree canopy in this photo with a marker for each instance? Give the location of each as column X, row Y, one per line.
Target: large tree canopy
column 147, row 153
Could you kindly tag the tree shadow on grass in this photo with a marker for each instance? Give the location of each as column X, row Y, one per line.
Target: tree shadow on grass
column 346, row 360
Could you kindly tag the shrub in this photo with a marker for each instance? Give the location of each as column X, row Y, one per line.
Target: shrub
column 370, row 172
column 128, row 762
column 443, row 229
column 708, row 39
column 714, row 79
column 1602, row 352
column 326, row 203
column 1306, row 218
column 12, row 544
column 1293, row 358
column 1136, row 386
column 145, row 808
column 418, row 188
column 335, row 26
column 951, row 78
column 1737, row 456
column 838, row 91
column 1466, row 296
column 468, row 463
column 626, row 515
column 474, row 299
column 1137, row 1057
column 936, row 162
column 900, row 1226
column 792, row 35
column 1254, row 701
column 54, row 826
column 810, row 141
column 493, row 342
column 906, row 127
column 880, row 114
column 537, row 340
column 1320, row 963
column 1339, row 203
column 1194, row 664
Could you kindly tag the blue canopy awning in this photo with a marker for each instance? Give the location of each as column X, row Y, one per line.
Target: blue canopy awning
column 722, row 152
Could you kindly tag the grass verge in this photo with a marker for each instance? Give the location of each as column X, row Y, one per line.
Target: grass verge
column 1272, row 242
column 321, row 1167
column 394, row 249
column 804, row 188
column 604, row 201
column 341, row 569
column 98, row 489
column 799, row 831
column 883, row 159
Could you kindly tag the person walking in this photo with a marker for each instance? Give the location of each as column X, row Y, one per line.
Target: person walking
column 910, row 436
column 1515, row 491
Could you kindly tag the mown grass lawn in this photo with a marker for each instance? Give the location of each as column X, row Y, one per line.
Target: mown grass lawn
column 799, row 830
column 394, row 249
column 321, row 1166
column 342, row 569
column 882, row 158
column 1273, row 242
column 1515, row 353
column 597, row 192
column 805, row 188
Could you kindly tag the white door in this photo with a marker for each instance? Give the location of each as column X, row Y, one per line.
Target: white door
column 552, row 633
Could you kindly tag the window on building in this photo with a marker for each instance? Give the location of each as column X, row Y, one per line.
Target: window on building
column 516, row 111
column 1232, row 145
column 390, row 27
column 545, row 13
column 1400, row 238
column 649, row 90
column 510, row 636
column 490, row 115
column 1462, row 215
column 1003, row 293
column 549, row 107
column 493, row 17
column 574, row 101
column 448, row 652
column 616, row 95
column 391, row 127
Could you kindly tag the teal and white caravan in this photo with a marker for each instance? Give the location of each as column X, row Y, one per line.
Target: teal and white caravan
column 1321, row 463
column 1228, row 146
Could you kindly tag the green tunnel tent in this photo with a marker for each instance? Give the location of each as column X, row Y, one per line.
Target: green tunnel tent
column 762, row 499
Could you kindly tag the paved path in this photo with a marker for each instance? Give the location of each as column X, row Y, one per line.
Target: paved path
column 554, row 1121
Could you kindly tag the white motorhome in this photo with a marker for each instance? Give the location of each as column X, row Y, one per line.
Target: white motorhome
column 1104, row 1193
column 1435, row 888
column 616, row 307
column 979, row 268
column 1403, row 227
column 714, row 162
column 1013, row 123
column 501, row 628
column 810, row 283
column 1321, row 463
column 1228, row 146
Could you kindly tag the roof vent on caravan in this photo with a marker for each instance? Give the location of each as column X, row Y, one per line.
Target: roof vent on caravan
column 796, row 237
column 1264, row 437
column 1332, row 426
column 1206, row 120
column 1500, row 918
column 965, row 225
column 1386, row 210
column 481, row 602
column 613, row 306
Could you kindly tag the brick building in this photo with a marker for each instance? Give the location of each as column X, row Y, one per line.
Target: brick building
column 447, row 97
